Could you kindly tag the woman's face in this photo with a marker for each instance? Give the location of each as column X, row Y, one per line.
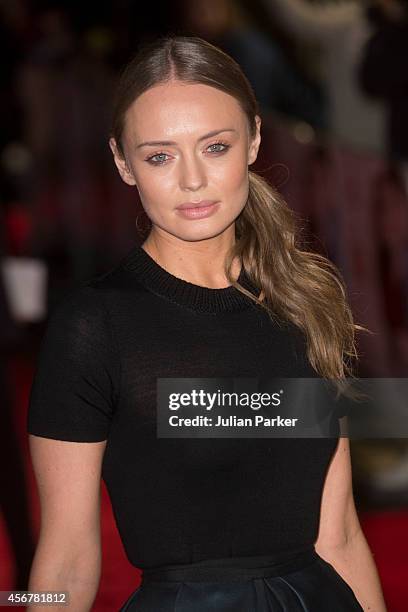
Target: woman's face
column 202, row 151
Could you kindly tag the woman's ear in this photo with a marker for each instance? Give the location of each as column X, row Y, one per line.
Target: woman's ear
column 255, row 142
column 121, row 164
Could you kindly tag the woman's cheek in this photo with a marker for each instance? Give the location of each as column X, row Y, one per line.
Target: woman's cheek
column 235, row 169
column 235, row 180
column 151, row 189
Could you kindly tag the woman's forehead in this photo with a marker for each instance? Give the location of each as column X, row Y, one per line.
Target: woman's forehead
column 176, row 108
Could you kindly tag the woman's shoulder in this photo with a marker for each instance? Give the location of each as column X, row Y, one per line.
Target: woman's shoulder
column 99, row 293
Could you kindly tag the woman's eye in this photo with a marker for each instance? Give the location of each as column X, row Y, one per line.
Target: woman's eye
column 153, row 159
column 219, row 144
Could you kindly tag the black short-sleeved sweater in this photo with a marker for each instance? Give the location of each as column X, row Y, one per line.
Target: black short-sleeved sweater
column 177, row 500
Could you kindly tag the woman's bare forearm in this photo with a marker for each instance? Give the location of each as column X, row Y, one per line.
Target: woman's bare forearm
column 78, row 578
column 355, row 564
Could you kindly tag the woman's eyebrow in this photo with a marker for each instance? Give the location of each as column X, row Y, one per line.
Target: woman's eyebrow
column 164, row 143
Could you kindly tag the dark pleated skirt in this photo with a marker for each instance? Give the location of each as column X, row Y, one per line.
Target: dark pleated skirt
column 280, row 583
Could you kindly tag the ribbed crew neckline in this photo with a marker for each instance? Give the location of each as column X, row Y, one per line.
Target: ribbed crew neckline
column 196, row 297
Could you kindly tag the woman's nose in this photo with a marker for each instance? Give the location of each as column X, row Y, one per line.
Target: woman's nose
column 192, row 174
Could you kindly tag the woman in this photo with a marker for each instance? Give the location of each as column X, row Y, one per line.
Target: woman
column 217, row 289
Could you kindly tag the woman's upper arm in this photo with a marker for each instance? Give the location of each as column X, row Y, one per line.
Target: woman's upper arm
column 338, row 516
column 68, row 476
column 77, row 376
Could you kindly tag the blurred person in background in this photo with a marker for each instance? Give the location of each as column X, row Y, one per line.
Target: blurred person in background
column 384, row 74
column 278, row 83
column 64, row 84
column 14, row 504
column 15, row 36
column 341, row 30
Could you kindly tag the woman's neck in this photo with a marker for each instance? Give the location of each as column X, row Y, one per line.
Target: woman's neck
column 199, row 262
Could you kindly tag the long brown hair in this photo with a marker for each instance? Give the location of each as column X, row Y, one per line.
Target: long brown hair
column 296, row 285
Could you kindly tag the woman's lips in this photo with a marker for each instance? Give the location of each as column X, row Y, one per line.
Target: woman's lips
column 200, row 211
column 195, row 204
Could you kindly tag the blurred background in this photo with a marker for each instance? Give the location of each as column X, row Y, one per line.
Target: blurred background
column 332, row 81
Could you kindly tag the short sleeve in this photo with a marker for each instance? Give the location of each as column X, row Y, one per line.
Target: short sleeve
column 75, row 385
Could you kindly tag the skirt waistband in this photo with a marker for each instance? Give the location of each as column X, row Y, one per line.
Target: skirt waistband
column 233, row 569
